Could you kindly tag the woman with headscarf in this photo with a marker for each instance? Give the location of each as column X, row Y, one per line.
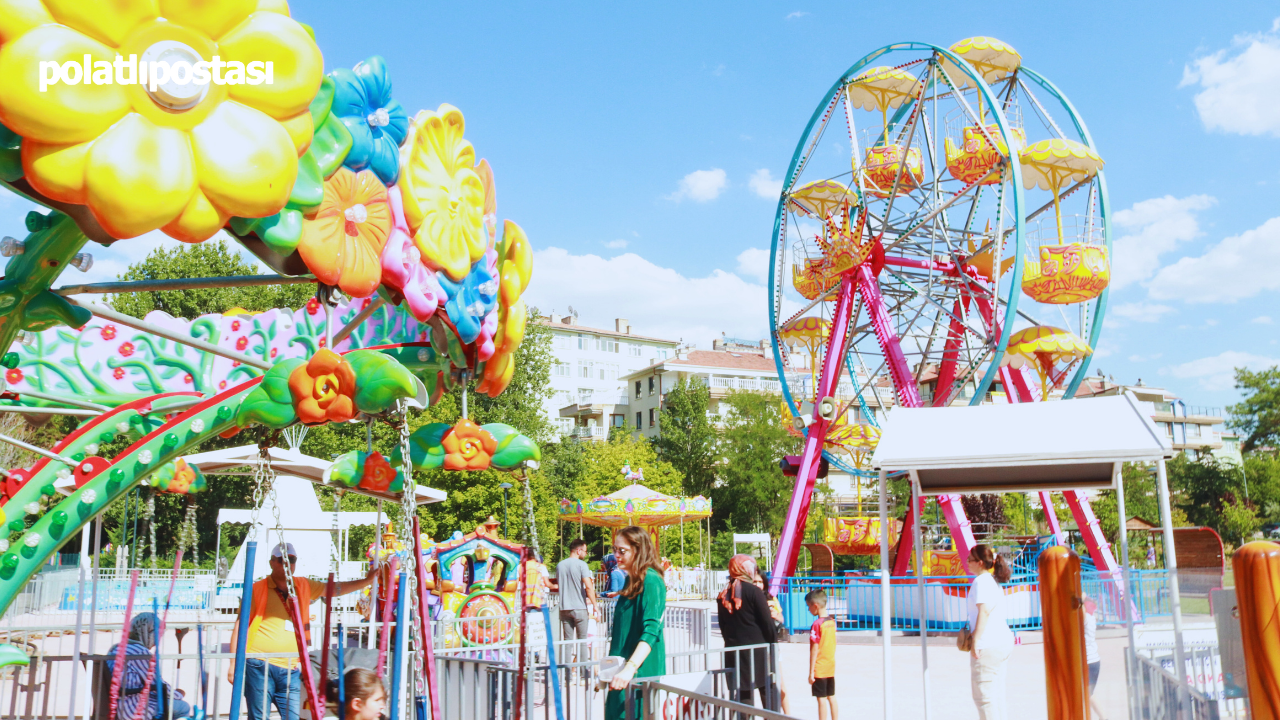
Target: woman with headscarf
column 142, row 643
column 743, row 611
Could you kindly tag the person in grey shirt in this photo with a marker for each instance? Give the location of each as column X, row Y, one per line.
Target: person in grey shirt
column 577, row 592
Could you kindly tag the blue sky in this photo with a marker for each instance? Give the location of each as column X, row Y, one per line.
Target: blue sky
column 639, row 145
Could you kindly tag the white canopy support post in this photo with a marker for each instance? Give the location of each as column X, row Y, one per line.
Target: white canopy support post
column 1126, row 599
column 1171, row 567
column 885, row 597
column 918, row 543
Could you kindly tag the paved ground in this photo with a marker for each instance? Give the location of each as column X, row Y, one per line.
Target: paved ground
column 860, row 691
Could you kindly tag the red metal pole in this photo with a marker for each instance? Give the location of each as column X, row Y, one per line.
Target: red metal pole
column 308, row 680
column 328, row 625
column 424, row 620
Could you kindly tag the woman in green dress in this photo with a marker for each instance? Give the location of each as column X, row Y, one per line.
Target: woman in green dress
column 637, row 619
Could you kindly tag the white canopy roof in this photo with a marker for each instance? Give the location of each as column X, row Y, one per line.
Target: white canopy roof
column 289, row 462
column 1075, row 444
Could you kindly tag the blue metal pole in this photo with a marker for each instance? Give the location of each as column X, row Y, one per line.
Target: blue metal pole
column 342, row 679
column 402, row 637
column 551, row 659
column 204, row 676
column 242, row 626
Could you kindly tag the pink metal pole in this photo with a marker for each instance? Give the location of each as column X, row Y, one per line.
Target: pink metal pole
column 424, row 621
column 385, row 642
column 117, row 672
column 798, row 510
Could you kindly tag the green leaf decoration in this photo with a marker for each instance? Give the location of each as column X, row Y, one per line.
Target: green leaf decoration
column 330, row 145
column 271, row 403
column 308, row 189
column 426, row 449
column 322, row 103
column 380, row 381
column 347, row 470
column 513, row 448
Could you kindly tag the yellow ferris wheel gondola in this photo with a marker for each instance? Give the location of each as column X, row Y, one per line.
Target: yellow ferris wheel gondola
column 810, row 333
column 881, row 88
column 822, row 199
column 1043, row 348
column 993, row 59
column 1068, row 272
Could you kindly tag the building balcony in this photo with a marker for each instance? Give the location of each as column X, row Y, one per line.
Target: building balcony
column 592, row 408
column 590, row 432
column 720, row 386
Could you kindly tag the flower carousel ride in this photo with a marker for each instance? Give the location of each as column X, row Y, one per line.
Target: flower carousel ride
column 637, row 505
column 327, row 179
column 941, row 204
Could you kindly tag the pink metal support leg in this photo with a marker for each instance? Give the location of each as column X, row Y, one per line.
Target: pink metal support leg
column 798, row 510
column 1091, row 531
column 1051, row 516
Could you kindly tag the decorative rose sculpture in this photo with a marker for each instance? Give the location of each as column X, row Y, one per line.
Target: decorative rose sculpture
column 369, row 471
column 324, row 389
column 327, row 388
column 180, row 478
column 467, row 446
column 144, row 160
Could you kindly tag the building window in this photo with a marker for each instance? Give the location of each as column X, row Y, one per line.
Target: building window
column 662, row 354
column 1193, row 430
column 582, row 342
column 584, row 369
column 618, row 420
column 638, row 386
column 563, row 398
column 562, row 342
column 606, row 345
column 653, row 417
column 651, row 379
column 585, row 395
column 638, row 419
column 633, row 349
column 565, row 425
column 563, row 369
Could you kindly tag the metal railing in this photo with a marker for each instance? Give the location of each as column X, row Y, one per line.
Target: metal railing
column 1156, row 694
column 593, row 432
column 678, row 702
column 1204, row 673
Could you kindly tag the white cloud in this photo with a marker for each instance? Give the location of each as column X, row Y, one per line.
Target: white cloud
column 701, row 186
column 1218, row 372
column 797, row 14
column 1238, row 85
column 1154, row 227
column 616, row 244
column 1145, row 358
column 1239, row 267
column 1138, row 311
column 658, row 301
column 1105, row 348
column 754, row 263
column 1262, row 320
column 763, row 183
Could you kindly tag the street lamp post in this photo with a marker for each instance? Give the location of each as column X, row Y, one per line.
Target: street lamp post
column 506, row 487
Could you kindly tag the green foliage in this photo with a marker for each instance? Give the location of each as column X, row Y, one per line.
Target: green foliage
column 1238, row 521
column 1263, row 471
column 207, row 259
column 752, row 494
column 1203, row 487
column 1257, row 416
column 687, row 439
column 1140, row 499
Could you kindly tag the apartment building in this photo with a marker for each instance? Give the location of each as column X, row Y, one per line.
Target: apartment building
column 1194, row 429
column 586, row 377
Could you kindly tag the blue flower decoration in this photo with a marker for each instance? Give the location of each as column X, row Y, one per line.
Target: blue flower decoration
column 378, row 124
column 472, row 299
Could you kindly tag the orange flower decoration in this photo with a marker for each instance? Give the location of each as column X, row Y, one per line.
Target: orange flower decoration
column 183, row 476
column 324, row 389
column 342, row 244
column 468, row 447
column 378, row 473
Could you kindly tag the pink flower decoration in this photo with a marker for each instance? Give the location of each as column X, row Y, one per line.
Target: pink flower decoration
column 402, row 266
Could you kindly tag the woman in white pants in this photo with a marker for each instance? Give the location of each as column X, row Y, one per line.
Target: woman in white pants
column 992, row 639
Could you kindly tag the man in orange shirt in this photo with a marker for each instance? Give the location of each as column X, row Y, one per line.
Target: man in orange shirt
column 822, row 655
column 271, row 631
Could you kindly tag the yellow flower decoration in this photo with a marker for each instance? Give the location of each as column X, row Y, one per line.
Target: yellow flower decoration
column 184, row 158
column 515, row 269
column 444, row 197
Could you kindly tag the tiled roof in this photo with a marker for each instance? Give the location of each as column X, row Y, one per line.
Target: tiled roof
column 727, row 359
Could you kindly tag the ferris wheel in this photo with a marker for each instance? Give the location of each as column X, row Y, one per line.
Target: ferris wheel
column 941, row 238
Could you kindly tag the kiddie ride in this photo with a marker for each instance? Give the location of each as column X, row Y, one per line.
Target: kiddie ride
column 326, row 179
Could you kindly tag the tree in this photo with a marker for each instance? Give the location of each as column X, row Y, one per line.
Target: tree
column 753, row 494
column 687, row 439
column 1257, row 416
column 1202, row 488
column 1239, row 521
column 986, row 509
column 207, row 259
column 1263, row 472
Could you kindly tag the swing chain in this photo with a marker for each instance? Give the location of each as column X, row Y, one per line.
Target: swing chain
column 335, row 532
column 269, row 477
column 409, row 492
column 529, row 516
column 150, row 516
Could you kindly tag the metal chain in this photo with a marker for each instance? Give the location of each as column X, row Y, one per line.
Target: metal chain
column 529, row 516
column 335, row 532
column 408, row 509
column 151, row 526
column 269, row 477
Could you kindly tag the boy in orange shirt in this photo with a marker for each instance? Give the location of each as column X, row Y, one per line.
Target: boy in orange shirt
column 822, row 655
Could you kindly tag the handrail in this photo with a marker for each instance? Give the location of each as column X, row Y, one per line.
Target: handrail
column 651, row 688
